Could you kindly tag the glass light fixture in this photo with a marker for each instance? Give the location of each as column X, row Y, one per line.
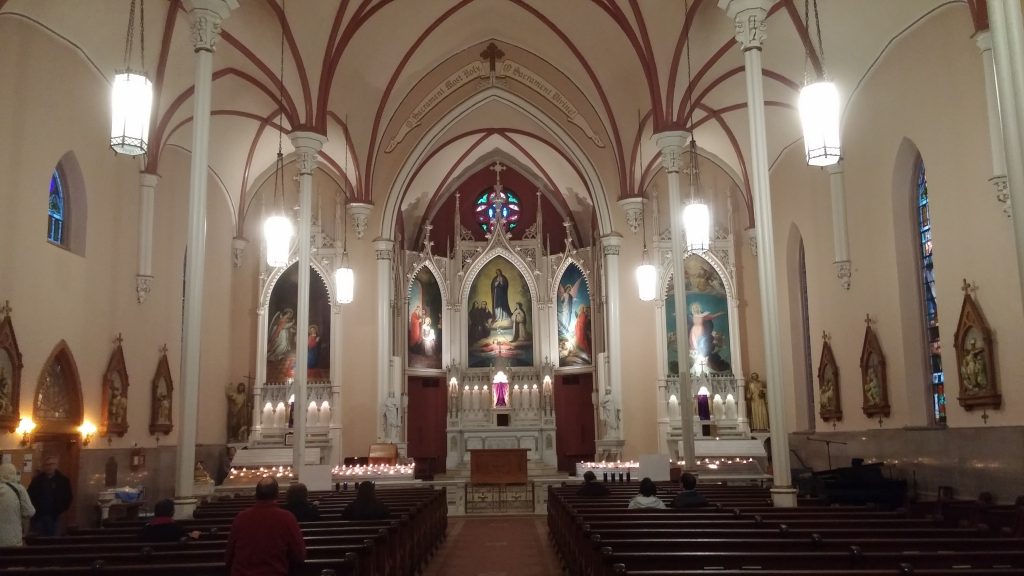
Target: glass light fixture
column 131, row 102
column 819, row 106
column 345, row 280
column 647, row 279
column 131, row 96
column 697, row 222
column 278, row 232
column 87, row 431
column 819, row 116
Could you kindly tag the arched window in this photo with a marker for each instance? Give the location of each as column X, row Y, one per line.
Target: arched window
column 931, row 309
column 57, row 217
column 487, row 208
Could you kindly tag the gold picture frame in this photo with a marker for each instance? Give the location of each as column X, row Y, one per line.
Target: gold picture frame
column 975, row 357
column 10, row 373
column 114, row 410
column 829, row 404
column 161, row 415
column 874, row 376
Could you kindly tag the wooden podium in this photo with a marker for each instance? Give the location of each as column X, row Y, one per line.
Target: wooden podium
column 498, row 466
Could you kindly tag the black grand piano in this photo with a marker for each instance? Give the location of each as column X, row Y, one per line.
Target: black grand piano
column 856, row 485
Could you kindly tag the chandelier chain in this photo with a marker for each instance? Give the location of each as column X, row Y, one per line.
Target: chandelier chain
column 129, row 39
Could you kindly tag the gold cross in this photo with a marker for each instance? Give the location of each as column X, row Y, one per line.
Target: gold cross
column 163, row 350
column 119, row 339
column 6, row 308
column 498, row 169
column 868, row 320
column 968, row 287
column 825, row 336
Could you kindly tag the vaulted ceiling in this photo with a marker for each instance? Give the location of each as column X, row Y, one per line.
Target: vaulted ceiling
column 638, row 66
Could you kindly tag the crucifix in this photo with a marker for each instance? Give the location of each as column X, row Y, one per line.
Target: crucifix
column 427, row 243
column 163, row 350
column 968, row 287
column 6, row 308
column 118, row 340
column 498, row 169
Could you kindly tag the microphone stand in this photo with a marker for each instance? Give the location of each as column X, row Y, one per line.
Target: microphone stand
column 828, row 447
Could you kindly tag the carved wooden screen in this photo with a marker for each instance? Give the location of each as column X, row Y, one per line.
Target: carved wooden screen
column 57, row 406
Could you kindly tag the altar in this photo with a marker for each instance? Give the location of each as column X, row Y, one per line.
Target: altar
column 500, row 466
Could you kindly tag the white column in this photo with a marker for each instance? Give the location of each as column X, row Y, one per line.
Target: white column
column 144, row 277
column 307, row 146
column 261, row 375
column 672, row 145
column 736, row 355
column 840, row 241
column 750, row 17
column 1005, row 39
column 206, row 16
column 385, row 254
column 610, row 246
column 995, row 129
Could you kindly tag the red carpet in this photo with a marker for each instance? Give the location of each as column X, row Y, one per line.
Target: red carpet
column 496, row 546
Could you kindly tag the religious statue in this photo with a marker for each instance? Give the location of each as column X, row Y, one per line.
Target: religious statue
column 239, row 412
column 200, row 475
column 5, row 393
column 392, row 419
column 609, row 414
column 757, row 399
column 163, row 404
column 873, row 388
column 118, row 406
column 973, row 369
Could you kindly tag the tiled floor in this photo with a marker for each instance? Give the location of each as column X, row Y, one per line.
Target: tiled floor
column 496, row 546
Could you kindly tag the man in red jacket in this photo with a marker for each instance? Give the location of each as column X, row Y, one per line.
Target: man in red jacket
column 265, row 539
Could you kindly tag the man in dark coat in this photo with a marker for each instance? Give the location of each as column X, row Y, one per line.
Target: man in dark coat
column 50, row 492
column 689, row 497
column 591, row 487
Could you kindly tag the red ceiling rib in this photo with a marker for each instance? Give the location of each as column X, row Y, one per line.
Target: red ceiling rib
column 153, row 160
column 291, row 112
column 355, row 186
column 634, row 155
column 300, row 67
column 322, row 89
column 649, row 63
column 745, row 193
column 619, row 17
column 805, row 37
column 677, row 54
column 243, row 206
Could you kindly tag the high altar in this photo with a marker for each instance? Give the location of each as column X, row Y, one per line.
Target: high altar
column 497, row 339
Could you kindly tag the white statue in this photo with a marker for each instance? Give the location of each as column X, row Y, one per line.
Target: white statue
column 392, row 419
column 610, row 415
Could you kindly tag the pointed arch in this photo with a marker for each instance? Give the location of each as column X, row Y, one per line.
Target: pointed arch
column 57, row 402
column 67, row 207
column 576, row 154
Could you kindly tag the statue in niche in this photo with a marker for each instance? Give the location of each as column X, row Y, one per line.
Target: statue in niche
column 239, row 412
column 609, row 414
column 757, row 400
column 392, row 419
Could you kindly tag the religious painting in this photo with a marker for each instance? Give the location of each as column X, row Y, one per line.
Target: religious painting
column 115, row 394
column 829, row 407
column 239, row 411
column 975, row 357
column 500, row 316
column 425, row 309
column 10, row 375
column 281, row 335
column 160, row 415
column 575, row 340
column 874, row 380
column 707, row 321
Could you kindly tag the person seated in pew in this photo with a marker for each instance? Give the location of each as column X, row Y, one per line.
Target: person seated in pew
column 647, row 498
column 688, row 497
column 265, row 539
column 163, row 528
column 366, row 506
column 297, row 502
column 591, row 488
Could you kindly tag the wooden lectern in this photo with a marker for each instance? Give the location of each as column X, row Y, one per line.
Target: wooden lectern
column 383, row 454
column 498, row 466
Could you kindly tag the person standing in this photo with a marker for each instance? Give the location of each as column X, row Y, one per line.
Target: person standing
column 50, row 492
column 265, row 539
column 15, row 507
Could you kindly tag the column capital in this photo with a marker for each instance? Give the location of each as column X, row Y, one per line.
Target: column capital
column 673, row 146
column 384, row 248
column 148, row 180
column 984, row 40
column 307, row 146
column 610, row 244
column 750, row 18
column 207, row 16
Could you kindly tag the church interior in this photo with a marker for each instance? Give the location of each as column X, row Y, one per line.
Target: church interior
column 494, row 200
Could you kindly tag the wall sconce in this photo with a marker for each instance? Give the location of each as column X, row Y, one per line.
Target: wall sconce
column 88, row 431
column 25, row 428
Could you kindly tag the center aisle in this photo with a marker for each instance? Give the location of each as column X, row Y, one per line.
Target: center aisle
column 496, row 546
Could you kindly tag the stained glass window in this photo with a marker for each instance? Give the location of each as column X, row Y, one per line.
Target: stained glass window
column 931, row 309
column 56, row 219
column 487, row 208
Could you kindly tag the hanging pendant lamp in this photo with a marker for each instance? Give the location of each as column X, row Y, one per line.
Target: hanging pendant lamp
column 819, row 107
column 278, row 228
column 696, row 215
column 646, row 279
column 131, row 96
column 344, row 276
